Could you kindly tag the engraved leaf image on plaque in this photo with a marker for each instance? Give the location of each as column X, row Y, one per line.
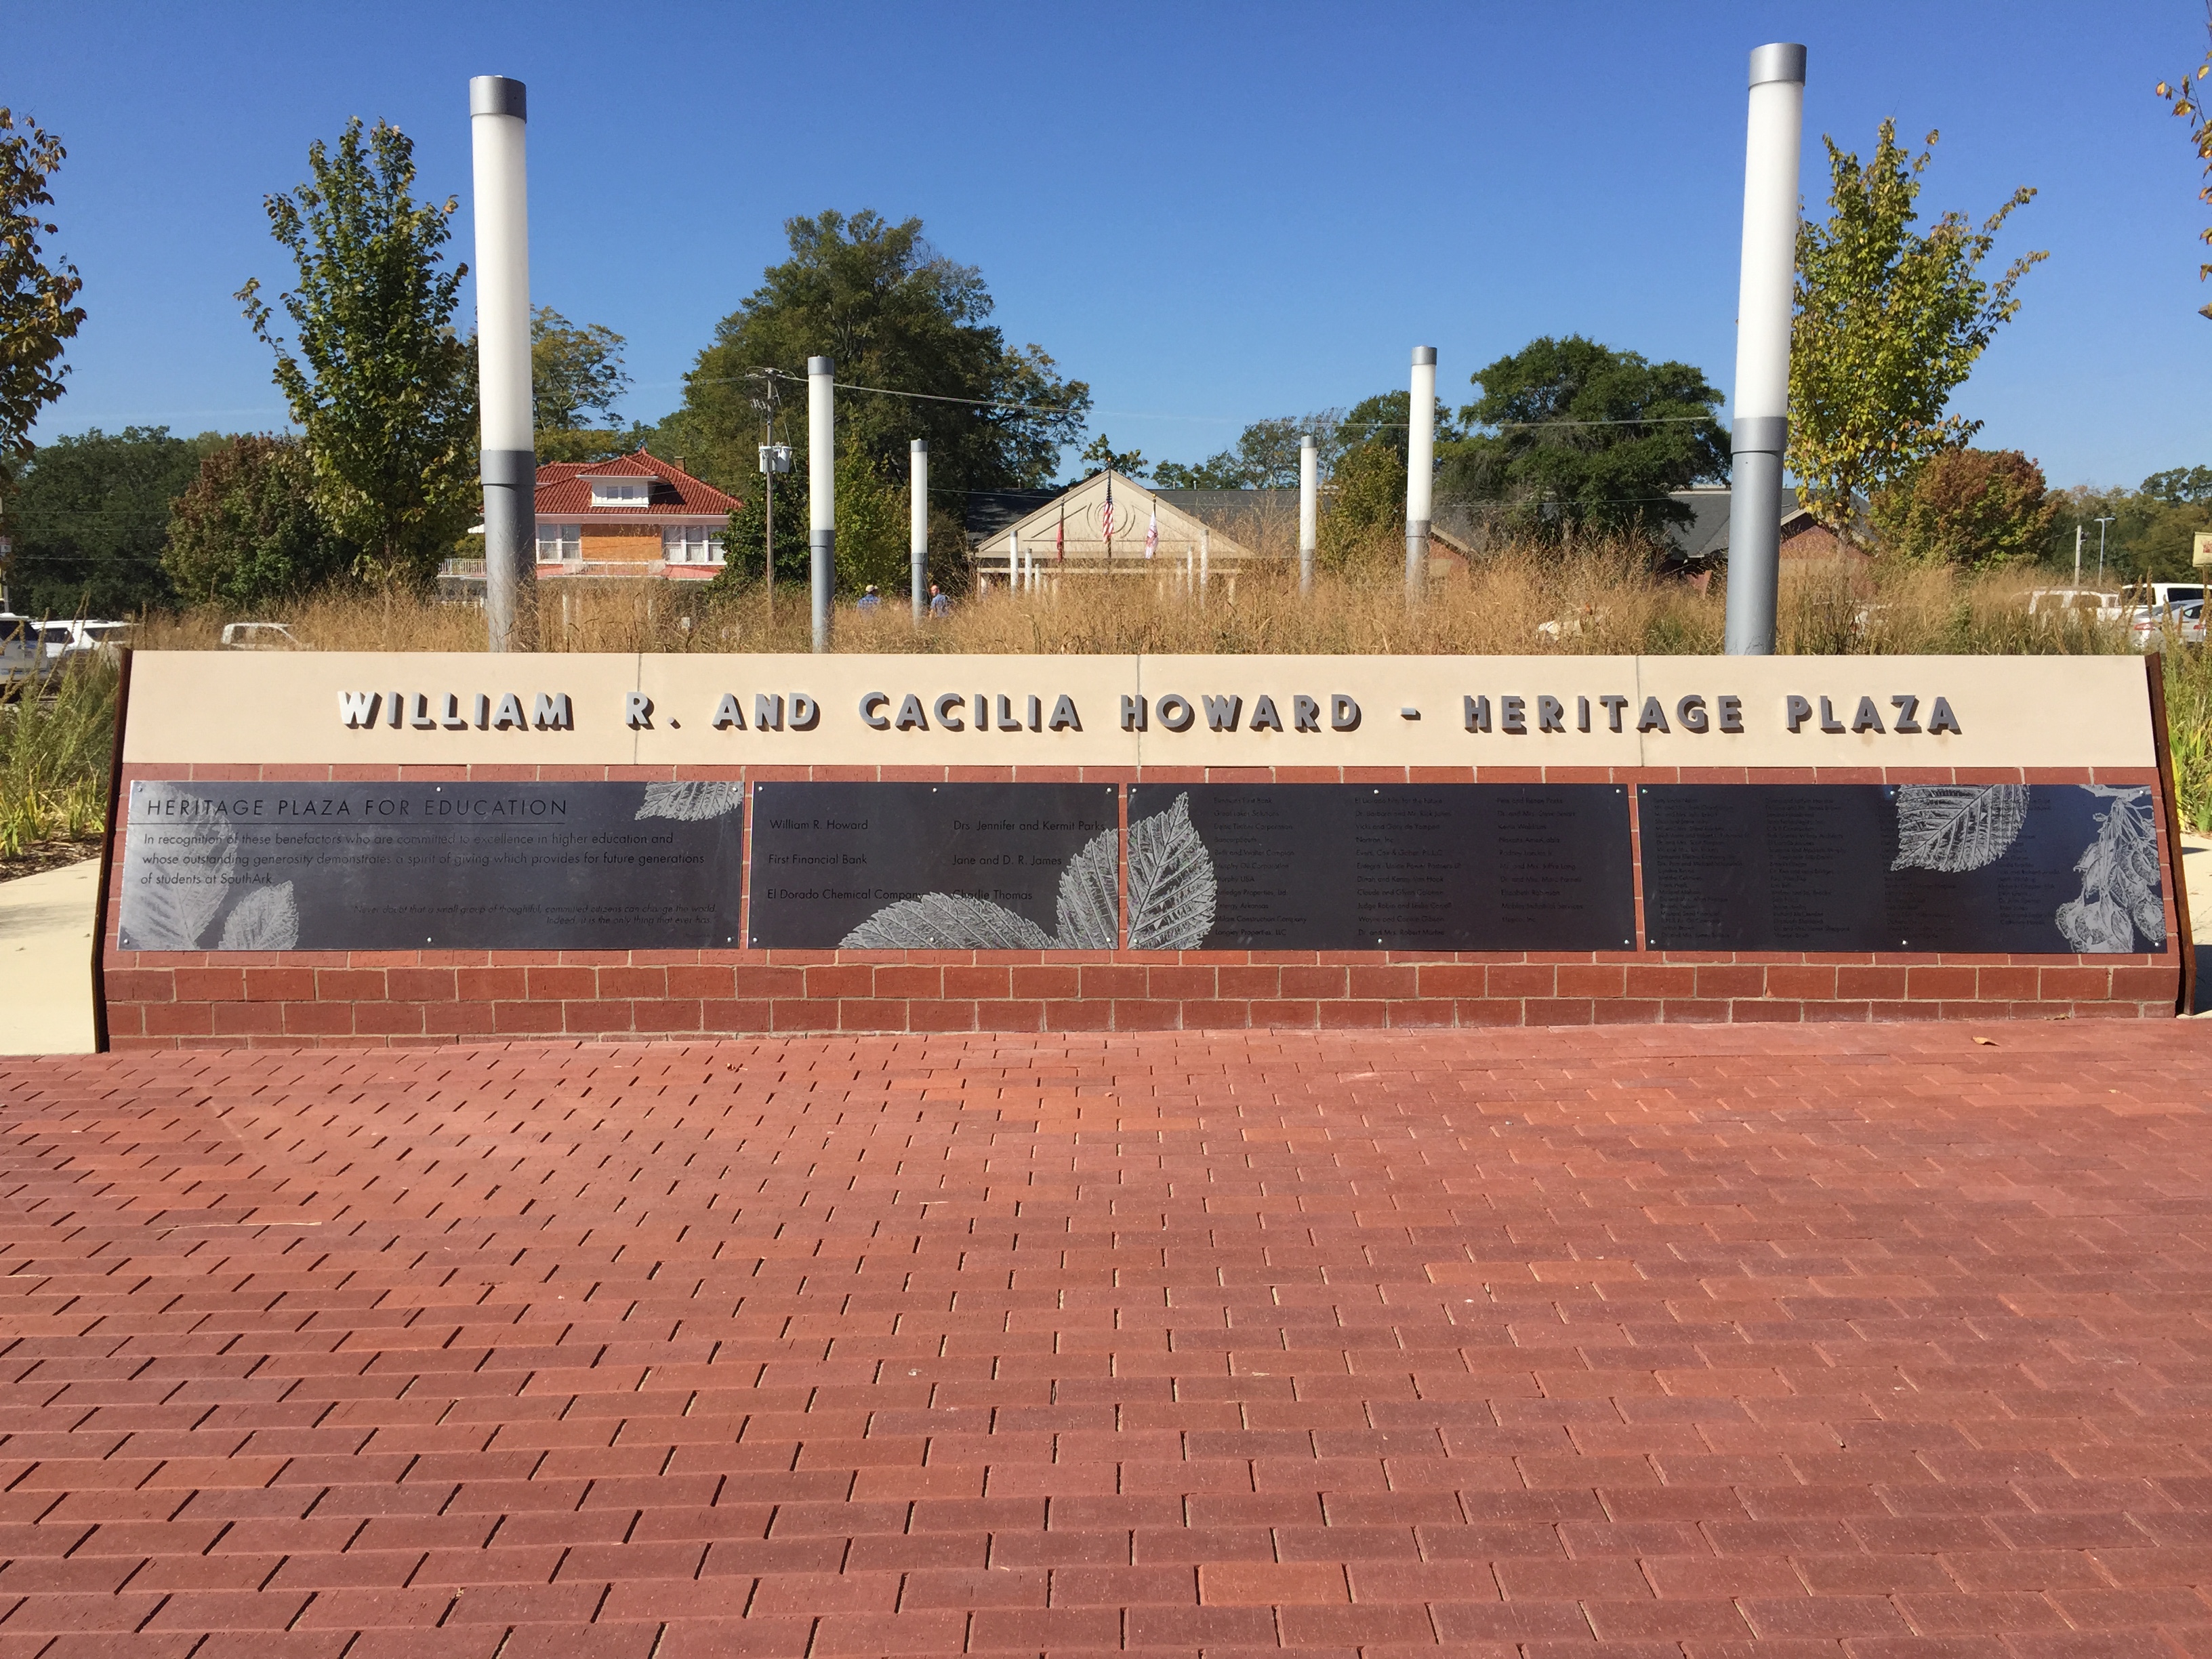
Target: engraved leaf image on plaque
column 2120, row 894
column 1954, row 827
column 691, row 803
column 947, row 921
column 266, row 919
column 171, row 914
column 1172, row 890
column 1088, row 913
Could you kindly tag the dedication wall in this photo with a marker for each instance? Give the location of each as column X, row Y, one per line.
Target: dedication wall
column 325, row 847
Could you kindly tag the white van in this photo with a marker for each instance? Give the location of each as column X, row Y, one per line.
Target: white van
column 2104, row 606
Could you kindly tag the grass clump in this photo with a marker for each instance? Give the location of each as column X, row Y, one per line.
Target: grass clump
column 56, row 738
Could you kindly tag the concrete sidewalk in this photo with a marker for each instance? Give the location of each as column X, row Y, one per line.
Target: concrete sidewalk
column 45, row 961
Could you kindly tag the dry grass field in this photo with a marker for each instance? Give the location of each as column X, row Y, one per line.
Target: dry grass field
column 1594, row 600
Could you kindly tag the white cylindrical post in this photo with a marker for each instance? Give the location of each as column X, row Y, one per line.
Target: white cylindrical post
column 1308, row 510
column 2077, row 556
column 821, row 490
column 1205, row 555
column 917, row 523
column 1764, row 301
column 1421, row 469
column 509, row 466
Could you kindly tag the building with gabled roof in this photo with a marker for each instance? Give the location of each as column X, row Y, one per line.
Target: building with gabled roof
column 1067, row 535
column 632, row 517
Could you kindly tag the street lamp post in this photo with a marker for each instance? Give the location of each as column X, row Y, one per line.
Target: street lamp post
column 1765, row 294
column 2101, row 523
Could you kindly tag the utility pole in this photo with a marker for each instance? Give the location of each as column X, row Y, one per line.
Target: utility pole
column 498, row 119
column 1308, row 509
column 1766, row 293
column 2077, row 553
column 821, row 490
column 2101, row 523
column 1420, row 469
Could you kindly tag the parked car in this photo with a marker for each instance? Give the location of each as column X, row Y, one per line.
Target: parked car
column 2149, row 625
column 58, row 640
column 19, row 647
column 261, row 636
column 2106, row 605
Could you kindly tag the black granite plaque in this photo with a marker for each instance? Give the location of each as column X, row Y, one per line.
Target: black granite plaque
column 2022, row 869
column 1322, row 866
column 1018, row 867
column 382, row 866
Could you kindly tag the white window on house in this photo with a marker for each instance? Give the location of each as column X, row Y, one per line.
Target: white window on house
column 621, row 492
column 691, row 544
column 560, row 543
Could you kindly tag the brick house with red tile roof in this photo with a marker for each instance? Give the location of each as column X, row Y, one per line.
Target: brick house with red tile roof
column 633, row 516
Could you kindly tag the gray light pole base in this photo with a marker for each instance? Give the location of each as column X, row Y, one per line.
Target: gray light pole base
column 824, row 547
column 1754, row 565
column 1417, row 559
column 510, row 507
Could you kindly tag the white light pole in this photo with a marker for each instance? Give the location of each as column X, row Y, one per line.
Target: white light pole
column 1308, row 509
column 2077, row 556
column 1421, row 469
column 1765, row 297
column 2101, row 523
column 918, row 522
column 821, row 490
column 509, row 466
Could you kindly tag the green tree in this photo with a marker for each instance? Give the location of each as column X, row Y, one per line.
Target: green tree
column 90, row 518
column 895, row 314
column 1978, row 509
column 587, row 443
column 1574, row 436
column 245, row 530
column 2152, row 534
column 1265, row 457
column 573, row 372
column 36, row 317
column 2180, row 484
column 873, row 532
column 1099, row 455
column 383, row 389
column 1368, row 500
column 1889, row 322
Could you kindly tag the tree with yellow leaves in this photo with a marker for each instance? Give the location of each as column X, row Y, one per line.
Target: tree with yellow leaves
column 2182, row 94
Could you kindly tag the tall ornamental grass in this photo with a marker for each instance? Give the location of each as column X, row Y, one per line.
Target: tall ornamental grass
column 55, row 739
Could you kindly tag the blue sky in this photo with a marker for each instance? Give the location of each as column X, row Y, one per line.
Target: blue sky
column 1213, row 213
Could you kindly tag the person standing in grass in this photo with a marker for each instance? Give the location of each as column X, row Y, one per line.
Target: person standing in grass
column 870, row 600
column 939, row 604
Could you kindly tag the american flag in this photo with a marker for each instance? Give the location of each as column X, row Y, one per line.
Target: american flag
column 1106, row 513
column 1152, row 534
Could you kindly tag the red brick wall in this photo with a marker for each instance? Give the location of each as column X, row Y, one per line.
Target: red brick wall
column 376, row 997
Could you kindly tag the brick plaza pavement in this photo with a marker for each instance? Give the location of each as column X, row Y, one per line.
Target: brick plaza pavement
column 1868, row 1341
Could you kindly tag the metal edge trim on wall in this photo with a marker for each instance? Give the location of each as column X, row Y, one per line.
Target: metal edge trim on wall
column 2154, row 671
column 108, row 857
